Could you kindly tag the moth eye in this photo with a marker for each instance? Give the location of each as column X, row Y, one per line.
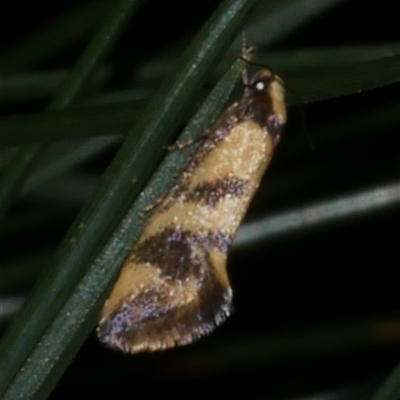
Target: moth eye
column 260, row 85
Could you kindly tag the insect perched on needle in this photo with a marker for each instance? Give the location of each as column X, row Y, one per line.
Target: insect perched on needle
column 173, row 287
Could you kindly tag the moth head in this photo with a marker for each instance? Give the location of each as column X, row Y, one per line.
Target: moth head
column 266, row 99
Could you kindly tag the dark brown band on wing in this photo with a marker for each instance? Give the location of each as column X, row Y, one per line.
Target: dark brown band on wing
column 179, row 254
column 211, row 193
column 154, row 319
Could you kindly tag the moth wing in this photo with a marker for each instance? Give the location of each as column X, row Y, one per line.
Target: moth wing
column 159, row 308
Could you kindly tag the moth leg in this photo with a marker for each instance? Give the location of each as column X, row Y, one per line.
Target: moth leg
column 155, row 204
column 187, row 143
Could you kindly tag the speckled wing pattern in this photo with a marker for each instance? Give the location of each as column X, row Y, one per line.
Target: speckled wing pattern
column 173, row 287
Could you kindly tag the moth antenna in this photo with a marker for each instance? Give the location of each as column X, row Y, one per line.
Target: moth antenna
column 253, row 64
column 245, row 77
column 247, row 54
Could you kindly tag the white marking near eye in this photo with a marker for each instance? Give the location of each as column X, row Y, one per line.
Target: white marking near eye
column 260, row 86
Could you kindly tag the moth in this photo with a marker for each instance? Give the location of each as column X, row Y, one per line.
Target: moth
column 173, row 287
